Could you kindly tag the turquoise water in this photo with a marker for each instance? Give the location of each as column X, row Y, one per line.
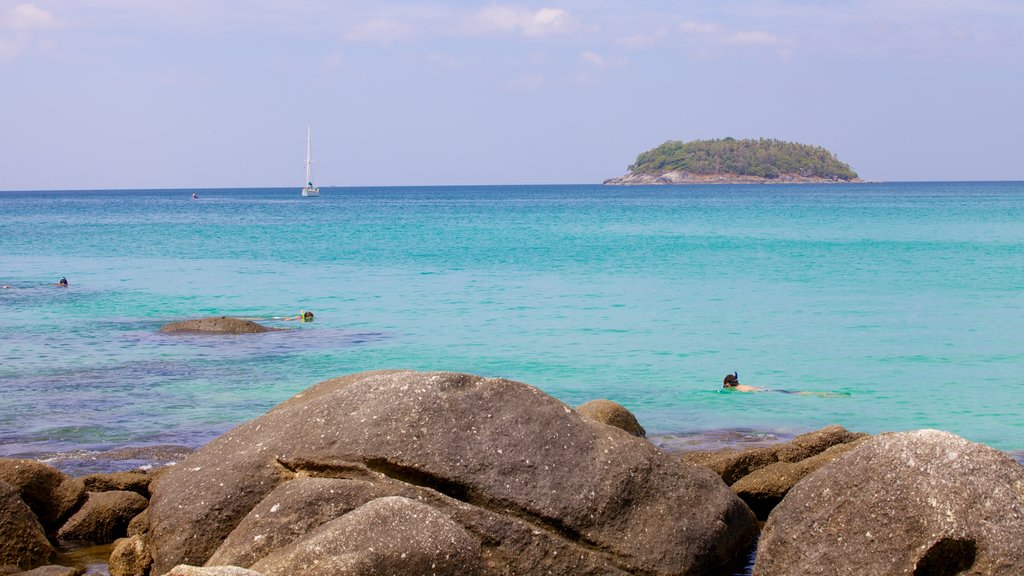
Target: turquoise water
column 905, row 299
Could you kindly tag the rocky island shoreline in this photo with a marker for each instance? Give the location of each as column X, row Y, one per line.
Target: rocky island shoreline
column 405, row 472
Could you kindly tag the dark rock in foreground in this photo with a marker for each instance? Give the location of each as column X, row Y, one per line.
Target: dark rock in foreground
column 515, row 478
column 215, row 325
column 924, row 502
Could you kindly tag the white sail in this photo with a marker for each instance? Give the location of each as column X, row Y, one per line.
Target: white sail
column 309, row 189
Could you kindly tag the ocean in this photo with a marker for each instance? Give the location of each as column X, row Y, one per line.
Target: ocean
column 900, row 304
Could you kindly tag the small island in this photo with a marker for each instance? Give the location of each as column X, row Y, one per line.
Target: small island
column 732, row 161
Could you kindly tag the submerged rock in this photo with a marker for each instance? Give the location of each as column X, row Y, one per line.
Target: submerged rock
column 925, row 502
column 215, row 325
column 536, row 487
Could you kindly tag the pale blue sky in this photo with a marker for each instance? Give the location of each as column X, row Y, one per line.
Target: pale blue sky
column 217, row 93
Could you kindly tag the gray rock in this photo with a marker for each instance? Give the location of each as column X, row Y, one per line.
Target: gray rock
column 544, row 488
column 129, row 557
column 137, row 482
column 613, row 414
column 103, row 518
column 763, row 489
column 924, row 502
column 22, row 540
column 391, row 535
column 215, row 325
column 51, row 494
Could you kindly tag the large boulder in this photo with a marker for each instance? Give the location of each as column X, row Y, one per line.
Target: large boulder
column 51, row 494
column 215, row 325
column 103, row 518
column 391, row 535
column 613, row 414
column 539, row 487
column 924, row 502
column 22, row 540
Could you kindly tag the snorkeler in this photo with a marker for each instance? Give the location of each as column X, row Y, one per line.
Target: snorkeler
column 304, row 316
column 732, row 382
column 63, row 282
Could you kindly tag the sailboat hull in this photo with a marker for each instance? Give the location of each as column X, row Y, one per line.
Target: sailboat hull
column 310, row 191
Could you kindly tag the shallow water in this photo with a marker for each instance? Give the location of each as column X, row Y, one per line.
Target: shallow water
column 906, row 299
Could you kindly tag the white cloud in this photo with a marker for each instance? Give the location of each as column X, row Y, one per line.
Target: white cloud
column 711, row 33
column 28, row 17
column 19, row 28
column 599, row 62
column 516, row 20
column 592, row 59
column 380, row 31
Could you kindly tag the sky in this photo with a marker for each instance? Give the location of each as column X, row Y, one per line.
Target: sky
column 126, row 94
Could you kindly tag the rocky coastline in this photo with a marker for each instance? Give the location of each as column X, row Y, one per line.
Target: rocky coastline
column 680, row 177
column 403, row 472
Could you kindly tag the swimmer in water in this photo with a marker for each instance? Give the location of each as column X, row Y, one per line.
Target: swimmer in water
column 304, row 316
column 732, row 382
column 63, row 282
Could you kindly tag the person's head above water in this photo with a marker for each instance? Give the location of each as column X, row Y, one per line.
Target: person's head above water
column 731, row 380
column 307, row 316
column 63, row 281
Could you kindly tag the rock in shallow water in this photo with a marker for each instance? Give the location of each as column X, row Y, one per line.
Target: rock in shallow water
column 215, row 325
column 924, row 502
column 537, row 487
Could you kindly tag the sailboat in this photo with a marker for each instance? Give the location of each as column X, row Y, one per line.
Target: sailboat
column 309, row 189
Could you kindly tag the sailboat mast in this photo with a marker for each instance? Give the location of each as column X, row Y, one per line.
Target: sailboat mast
column 309, row 179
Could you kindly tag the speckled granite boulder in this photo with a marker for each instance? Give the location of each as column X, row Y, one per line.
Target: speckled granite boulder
column 538, row 487
column 914, row 503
